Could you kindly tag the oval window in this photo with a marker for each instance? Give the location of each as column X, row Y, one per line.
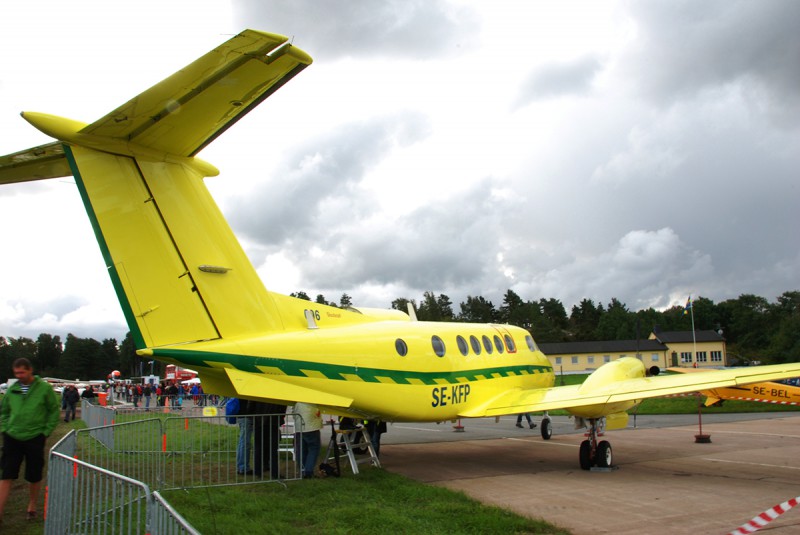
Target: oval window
column 401, row 347
column 476, row 345
column 487, row 344
column 498, row 343
column 512, row 348
column 529, row 341
column 438, row 345
column 462, row 345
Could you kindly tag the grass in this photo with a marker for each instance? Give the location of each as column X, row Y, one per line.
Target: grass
column 375, row 501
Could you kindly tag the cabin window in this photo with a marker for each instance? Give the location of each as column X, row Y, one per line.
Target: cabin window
column 438, row 345
column 529, row 341
column 476, row 345
column 462, row 345
column 510, row 344
column 487, row 344
column 498, row 344
column 401, row 347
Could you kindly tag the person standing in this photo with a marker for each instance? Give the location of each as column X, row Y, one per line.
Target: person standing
column 266, row 436
column 28, row 415
column 71, row 397
column 310, row 438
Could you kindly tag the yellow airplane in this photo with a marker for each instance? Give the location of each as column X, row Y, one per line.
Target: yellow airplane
column 192, row 298
column 769, row 392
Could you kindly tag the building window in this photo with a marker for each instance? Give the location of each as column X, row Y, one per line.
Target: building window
column 622, row 356
column 686, row 357
column 654, row 357
column 574, row 360
column 716, row 356
column 702, row 356
column 590, row 359
column 606, row 358
column 558, row 360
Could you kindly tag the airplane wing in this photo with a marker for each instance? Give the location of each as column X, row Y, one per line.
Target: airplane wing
column 599, row 400
column 206, row 102
column 38, row 163
column 768, row 392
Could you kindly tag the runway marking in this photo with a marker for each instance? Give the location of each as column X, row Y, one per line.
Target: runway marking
column 419, row 428
column 758, row 434
column 754, row 464
column 545, row 442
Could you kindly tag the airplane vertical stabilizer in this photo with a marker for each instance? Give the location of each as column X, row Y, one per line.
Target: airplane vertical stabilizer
column 180, row 274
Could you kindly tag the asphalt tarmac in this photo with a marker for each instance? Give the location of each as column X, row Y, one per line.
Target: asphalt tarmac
column 663, row 482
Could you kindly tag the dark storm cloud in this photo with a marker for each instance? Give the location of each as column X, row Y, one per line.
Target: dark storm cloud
column 559, row 79
column 436, row 246
column 415, row 28
column 319, row 182
column 683, row 48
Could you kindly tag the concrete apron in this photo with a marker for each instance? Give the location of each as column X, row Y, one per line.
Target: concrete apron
column 666, row 483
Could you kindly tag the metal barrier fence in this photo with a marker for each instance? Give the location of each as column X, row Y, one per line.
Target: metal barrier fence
column 100, row 478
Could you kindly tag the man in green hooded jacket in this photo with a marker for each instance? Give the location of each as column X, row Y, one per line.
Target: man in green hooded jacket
column 28, row 415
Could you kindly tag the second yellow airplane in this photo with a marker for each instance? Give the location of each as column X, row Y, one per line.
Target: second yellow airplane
column 191, row 297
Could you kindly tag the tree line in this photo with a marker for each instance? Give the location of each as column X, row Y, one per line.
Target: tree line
column 754, row 328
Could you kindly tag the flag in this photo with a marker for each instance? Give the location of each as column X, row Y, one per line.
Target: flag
column 688, row 306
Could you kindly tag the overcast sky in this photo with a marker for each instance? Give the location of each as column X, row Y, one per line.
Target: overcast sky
column 638, row 150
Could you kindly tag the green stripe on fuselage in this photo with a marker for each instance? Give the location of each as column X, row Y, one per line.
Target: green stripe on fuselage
column 336, row 372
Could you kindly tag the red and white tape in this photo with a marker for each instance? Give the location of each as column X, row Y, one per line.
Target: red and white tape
column 761, row 520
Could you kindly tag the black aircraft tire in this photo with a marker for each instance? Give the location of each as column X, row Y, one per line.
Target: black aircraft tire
column 546, row 429
column 585, row 455
column 604, row 454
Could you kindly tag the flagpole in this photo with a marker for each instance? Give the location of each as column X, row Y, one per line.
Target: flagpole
column 694, row 338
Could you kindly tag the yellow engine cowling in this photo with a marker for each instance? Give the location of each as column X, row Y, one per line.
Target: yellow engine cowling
column 603, row 379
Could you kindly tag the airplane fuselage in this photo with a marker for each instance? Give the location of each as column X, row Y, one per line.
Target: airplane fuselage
column 393, row 370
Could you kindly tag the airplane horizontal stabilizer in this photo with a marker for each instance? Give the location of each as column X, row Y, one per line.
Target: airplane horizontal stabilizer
column 37, row 163
column 628, row 390
column 259, row 386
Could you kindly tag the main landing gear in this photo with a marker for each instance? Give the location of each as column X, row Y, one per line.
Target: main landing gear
column 547, row 427
column 592, row 452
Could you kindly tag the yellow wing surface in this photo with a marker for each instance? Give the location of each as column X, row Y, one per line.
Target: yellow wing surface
column 609, row 392
column 769, row 392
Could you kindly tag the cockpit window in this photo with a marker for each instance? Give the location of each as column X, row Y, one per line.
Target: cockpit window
column 529, row 341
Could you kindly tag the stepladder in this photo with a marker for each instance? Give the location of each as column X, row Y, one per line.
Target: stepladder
column 355, row 443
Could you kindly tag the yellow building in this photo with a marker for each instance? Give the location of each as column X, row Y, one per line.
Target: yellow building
column 701, row 349
column 662, row 349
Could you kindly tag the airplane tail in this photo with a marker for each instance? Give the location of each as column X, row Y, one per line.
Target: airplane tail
column 179, row 272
